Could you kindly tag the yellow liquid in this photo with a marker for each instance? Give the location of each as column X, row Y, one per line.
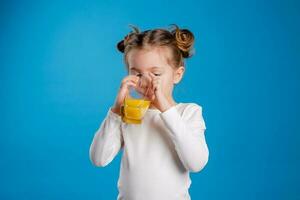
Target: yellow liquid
column 134, row 110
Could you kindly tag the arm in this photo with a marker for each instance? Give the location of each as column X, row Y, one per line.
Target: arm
column 107, row 140
column 187, row 134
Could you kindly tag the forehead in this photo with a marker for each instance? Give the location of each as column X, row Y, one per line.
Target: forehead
column 146, row 60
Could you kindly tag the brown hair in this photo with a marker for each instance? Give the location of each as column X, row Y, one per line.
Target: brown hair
column 179, row 41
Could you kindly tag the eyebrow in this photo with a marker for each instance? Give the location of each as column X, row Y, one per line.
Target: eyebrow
column 154, row 67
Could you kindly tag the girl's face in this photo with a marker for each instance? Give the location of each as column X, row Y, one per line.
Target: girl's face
column 142, row 62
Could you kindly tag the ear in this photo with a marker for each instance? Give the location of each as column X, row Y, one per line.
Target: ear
column 178, row 74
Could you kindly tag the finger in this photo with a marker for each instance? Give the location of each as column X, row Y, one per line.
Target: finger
column 128, row 83
column 150, row 92
column 153, row 78
column 124, row 90
column 156, row 87
column 156, row 82
column 152, row 97
column 131, row 77
column 152, row 75
column 156, row 79
column 125, row 83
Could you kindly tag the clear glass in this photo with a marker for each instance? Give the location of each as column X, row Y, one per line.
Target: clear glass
column 136, row 103
column 142, row 88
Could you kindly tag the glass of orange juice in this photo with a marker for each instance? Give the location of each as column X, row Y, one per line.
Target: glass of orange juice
column 135, row 104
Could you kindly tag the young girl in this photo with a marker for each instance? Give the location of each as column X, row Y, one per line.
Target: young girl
column 159, row 153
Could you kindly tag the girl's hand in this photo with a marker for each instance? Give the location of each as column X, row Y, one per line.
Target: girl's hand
column 158, row 98
column 130, row 80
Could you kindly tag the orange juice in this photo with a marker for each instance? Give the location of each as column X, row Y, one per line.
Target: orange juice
column 134, row 110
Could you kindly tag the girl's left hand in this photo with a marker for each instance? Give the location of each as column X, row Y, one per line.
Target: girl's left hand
column 157, row 97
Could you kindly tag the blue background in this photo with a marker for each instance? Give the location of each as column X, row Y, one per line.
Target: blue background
column 60, row 72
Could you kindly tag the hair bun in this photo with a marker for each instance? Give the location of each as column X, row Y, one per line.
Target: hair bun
column 184, row 40
column 122, row 44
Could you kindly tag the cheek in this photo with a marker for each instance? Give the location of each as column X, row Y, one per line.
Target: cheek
column 166, row 82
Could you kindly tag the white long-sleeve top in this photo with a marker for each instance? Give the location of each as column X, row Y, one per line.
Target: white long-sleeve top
column 158, row 154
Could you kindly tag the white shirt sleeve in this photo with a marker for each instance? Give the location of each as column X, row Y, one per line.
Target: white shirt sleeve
column 187, row 134
column 107, row 140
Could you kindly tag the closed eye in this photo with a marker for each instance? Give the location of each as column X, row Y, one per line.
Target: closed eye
column 139, row 75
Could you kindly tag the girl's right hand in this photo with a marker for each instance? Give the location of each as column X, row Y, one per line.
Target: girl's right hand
column 130, row 80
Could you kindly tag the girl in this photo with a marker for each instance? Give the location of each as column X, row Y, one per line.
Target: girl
column 159, row 153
